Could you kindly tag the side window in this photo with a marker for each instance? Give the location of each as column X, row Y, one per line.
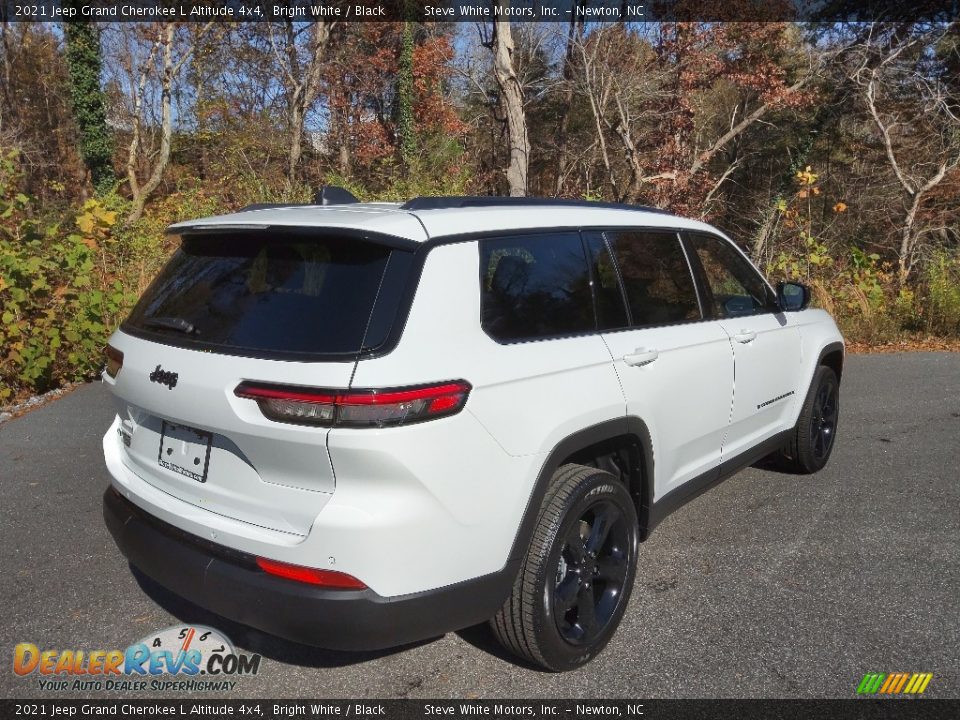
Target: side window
column 535, row 286
column 611, row 312
column 735, row 287
column 656, row 277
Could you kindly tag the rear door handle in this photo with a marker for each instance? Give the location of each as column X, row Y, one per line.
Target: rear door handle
column 641, row 356
column 745, row 336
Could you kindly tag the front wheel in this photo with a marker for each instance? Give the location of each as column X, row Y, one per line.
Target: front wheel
column 576, row 578
column 815, row 435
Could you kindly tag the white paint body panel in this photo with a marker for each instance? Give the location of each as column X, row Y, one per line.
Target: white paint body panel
column 767, row 367
column 683, row 396
column 270, row 474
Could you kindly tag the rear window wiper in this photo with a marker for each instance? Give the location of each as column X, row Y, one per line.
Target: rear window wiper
column 171, row 323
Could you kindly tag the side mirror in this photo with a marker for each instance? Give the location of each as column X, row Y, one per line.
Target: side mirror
column 793, row 296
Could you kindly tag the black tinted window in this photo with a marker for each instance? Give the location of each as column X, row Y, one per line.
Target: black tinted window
column 611, row 312
column 265, row 292
column 734, row 286
column 655, row 276
column 535, row 286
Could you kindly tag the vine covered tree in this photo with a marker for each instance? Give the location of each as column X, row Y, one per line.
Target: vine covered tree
column 87, row 98
column 406, row 140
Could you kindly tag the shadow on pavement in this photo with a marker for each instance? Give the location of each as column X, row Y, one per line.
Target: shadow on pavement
column 482, row 638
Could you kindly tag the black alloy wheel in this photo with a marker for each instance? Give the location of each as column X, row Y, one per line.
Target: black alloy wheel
column 589, row 581
column 823, row 423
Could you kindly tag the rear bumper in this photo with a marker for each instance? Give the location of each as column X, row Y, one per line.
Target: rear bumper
column 228, row 583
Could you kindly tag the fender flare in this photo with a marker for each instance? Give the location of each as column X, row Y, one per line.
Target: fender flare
column 803, row 386
column 829, row 349
column 630, row 426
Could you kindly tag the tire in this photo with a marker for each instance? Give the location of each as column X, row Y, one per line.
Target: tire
column 815, row 434
column 575, row 581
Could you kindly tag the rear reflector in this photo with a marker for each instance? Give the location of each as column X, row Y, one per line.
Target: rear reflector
column 311, row 576
column 114, row 361
column 357, row 408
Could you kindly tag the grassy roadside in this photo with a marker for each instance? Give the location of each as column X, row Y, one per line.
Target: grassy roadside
column 915, row 344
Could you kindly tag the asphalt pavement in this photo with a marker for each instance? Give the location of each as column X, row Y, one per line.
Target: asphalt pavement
column 770, row 585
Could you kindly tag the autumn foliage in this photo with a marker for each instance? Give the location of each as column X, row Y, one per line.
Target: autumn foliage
column 830, row 153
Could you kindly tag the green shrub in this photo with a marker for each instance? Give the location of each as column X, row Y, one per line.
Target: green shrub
column 59, row 295
column 943, row 294
column 138, row 251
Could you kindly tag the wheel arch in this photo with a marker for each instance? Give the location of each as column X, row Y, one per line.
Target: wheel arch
column 832, row 356
column 624, row 441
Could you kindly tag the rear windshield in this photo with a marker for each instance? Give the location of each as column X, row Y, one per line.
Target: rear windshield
column 265, row 293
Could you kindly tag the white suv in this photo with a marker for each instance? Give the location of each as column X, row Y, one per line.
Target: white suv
column 360, row 425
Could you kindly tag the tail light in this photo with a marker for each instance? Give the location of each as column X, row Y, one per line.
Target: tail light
column 114, row 361
column 311, row 576
column 357, row 408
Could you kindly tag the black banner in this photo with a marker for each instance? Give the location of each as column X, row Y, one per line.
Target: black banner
column 865, row 709
column 588, row 11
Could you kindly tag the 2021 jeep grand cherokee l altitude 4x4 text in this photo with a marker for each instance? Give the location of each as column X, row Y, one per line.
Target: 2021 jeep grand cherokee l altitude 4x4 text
column 359, row 425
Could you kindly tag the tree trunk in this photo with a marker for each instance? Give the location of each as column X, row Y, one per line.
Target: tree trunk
column 770, row 216
column 597, row 99
column 165, row 42
column 914, row 189
column 133, row 152
column 511, row 99
column 905, row 256
column 5, row 61
column 295, row 150
column 342, row 135
column 908, row 237
column 574, row 37
column 302, row 85
column 141, row 193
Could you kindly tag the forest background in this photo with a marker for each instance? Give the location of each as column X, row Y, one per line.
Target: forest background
column 831, row 153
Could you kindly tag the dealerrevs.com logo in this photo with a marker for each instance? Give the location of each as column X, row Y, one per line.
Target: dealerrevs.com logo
column 179, row 658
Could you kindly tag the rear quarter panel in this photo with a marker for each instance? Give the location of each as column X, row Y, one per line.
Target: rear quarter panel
column 526, row 397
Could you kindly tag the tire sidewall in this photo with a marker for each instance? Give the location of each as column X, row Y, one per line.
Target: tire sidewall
column 808, row 457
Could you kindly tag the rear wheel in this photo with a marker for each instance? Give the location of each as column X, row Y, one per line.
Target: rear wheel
column 813, row 438
column 575, row 581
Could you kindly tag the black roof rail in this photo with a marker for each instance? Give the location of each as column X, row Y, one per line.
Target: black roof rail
column 445, row 203
column 326, row 195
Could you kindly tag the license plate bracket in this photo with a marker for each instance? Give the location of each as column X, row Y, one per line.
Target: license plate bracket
column 185, row 450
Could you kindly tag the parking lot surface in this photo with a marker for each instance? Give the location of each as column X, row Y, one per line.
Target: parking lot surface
column 770, row 585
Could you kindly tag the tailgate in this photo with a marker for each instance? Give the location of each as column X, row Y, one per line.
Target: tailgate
column 195, row 440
